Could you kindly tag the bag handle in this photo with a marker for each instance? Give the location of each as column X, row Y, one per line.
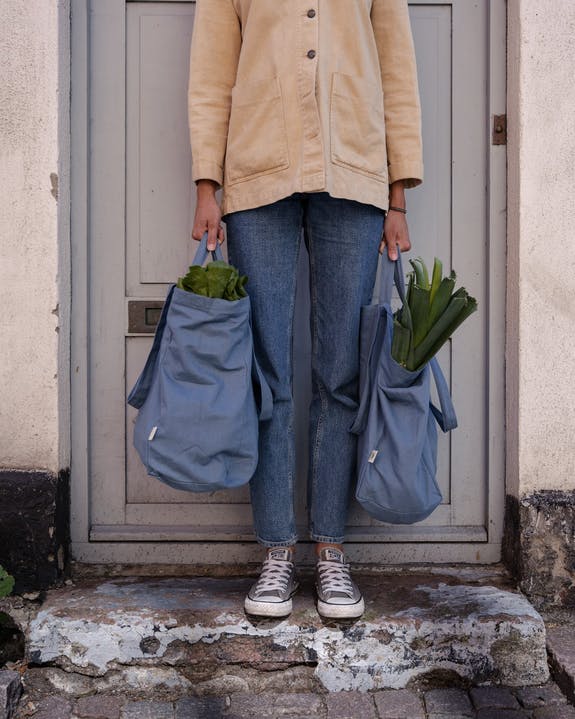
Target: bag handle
column 202, row 252
column 446, row 417
column 262, row 391
column 391, row 271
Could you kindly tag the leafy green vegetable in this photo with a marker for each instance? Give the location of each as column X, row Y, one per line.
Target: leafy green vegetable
column 6, row 582
column 435, row 279
column 218, row 279
column 429, row 316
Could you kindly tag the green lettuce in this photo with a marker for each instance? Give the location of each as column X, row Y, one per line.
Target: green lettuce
column 218, row 279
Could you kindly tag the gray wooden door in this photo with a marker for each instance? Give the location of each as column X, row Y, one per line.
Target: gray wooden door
column 133, row 210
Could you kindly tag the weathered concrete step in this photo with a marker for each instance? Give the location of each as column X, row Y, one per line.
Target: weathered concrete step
column 560, row 627
column 10, row 689
column 180, row 634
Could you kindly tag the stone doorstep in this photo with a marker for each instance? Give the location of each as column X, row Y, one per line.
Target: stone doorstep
column 10, row 690
column 183, row 632
column 560, row 627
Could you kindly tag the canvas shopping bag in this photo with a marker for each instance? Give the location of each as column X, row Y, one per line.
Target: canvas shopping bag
column 396, row 420
column 201, row 393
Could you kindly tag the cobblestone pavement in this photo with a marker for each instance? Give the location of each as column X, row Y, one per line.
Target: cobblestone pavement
column 531, row 702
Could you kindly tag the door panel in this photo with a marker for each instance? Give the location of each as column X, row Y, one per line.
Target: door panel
column 139, row 244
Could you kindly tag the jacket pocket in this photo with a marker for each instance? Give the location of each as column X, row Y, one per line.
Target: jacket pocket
column 257, row 142
column 357, row 126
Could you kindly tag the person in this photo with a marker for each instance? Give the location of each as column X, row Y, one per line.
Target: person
column 307, row 114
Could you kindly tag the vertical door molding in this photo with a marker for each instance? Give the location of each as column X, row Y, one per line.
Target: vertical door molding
column 496, row 278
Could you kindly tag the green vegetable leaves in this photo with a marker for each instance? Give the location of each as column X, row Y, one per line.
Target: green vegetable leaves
column 431, row 314
column 217, row 279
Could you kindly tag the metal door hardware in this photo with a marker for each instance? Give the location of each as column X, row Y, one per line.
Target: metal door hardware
column 143, row 316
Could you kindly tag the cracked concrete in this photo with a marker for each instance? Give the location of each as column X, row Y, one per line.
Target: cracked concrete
column 180, row 631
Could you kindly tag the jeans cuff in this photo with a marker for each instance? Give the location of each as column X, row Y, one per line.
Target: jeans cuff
column 285, row 543
column 326, row 538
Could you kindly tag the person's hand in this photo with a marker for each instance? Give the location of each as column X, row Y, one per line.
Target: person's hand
column 395, row 233
column 208, row 214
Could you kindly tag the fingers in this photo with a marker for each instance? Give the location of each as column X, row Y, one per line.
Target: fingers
column 198, row 230
column 213, row 236
column 208, row 219
column 395, row 235
column 218, row 234
column 392, row 251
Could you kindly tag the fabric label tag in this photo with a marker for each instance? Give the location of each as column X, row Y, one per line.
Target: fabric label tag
column 283, row 553
column 372, row 455
column 333, row 555
column 152, row 433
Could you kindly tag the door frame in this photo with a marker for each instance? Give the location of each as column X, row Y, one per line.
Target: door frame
column 96, row 153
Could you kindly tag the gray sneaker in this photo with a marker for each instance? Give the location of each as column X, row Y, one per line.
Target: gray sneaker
column 271, row 595
column 338, row 596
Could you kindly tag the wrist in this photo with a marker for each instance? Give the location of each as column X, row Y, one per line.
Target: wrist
column 206, row 187
column 397, row 194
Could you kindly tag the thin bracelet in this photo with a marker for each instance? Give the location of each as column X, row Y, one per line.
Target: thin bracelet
column 397, row 209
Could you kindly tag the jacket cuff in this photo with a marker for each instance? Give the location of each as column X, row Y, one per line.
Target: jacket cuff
column 207, row 170
column 411, row 172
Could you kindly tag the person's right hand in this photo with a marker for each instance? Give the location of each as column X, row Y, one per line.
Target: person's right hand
column 208, row 214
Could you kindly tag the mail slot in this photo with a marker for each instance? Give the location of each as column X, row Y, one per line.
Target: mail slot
column 143, row 316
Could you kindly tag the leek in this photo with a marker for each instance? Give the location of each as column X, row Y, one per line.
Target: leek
column 429, row 316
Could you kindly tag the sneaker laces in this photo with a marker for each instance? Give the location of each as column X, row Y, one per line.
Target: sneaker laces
column 274, row 576
column 335, row 577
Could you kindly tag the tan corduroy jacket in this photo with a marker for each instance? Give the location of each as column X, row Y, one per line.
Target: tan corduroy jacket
column 304, row 96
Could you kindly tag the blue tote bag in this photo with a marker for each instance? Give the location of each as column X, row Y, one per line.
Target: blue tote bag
column 201, row 393
column 396, row 420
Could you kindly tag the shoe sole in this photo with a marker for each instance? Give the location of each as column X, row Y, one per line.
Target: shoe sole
column 267, row 609
column 340, row 611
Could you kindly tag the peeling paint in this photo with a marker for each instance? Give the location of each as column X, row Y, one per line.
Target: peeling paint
column 54, row 185
column 475, row 602
column 483, row 633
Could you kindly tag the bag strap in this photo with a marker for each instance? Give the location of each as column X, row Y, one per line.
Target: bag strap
column 446, row 417
column 263, row 393
column 202, row 252
column 138, row 395
column 391, row 271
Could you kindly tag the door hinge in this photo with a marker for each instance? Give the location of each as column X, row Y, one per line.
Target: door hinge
column 499, row 136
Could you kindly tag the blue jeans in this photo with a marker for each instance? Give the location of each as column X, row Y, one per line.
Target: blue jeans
column 342, row 239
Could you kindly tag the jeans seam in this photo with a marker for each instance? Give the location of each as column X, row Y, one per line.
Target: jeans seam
column 320, row 389
column 292, row 458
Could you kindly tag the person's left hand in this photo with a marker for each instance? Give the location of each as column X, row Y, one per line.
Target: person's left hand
column 395, row 233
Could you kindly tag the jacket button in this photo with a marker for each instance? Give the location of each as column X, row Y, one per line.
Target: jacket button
column 311, row 54
column 311, row 13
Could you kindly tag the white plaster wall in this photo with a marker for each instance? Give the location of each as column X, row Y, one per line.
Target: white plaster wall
column 541, row 240
column 30, row 351
column 541, row 272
